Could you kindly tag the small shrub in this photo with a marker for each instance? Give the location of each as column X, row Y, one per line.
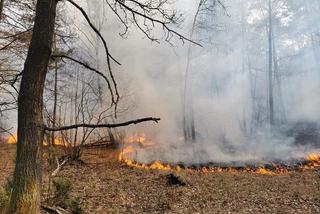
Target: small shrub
column 74, row 205
column 62, row 188
column 4, row 200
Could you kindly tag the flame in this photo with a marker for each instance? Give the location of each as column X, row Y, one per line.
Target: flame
column 133, row 143
column 136, row 138
column 313, row 161
column 264, row 171
column 58, row 141
column 12, row 139
column 313, row 157
column 158, row 165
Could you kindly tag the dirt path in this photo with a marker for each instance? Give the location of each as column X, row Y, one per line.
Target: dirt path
column 107, row 186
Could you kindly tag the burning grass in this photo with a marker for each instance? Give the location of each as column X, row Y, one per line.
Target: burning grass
column 58, row 141
column 270, row 169
column 130, row 148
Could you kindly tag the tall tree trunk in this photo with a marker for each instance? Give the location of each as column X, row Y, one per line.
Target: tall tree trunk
column 270, row 76
column 55, row 93
column 188, row 111
column 1, row 8
column 76, row 111
column 315, row 44
column 281, row 112
column 25, row 197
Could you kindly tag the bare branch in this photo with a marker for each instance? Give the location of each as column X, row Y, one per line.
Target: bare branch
column 93, row 126
column 148, row 7
column 109, row 56
column 7, row 45
column 90, row 68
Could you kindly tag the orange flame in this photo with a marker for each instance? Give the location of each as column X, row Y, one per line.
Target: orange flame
column 312, row 161
column 57, row 142
column 12, row 139
column 136, row 138
column 264, row 171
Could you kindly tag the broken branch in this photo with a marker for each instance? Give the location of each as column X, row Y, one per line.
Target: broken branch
column 60, row 165
column 93, row 126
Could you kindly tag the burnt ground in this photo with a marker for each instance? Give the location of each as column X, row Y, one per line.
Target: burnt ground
column 106, row 186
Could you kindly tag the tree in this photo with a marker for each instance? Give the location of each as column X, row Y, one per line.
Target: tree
column 1, row 8
column 270, row 70
column 15, row 34
column 188, row 109
column 25, row 197
column 205, row 10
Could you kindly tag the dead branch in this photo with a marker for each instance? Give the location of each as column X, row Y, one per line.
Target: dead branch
column 7, row 45
column 56, row 210
column 6, row 103
column 90, row 68
column 59, row 166
column 17, row 34
column 94, row 126
column 148, row 7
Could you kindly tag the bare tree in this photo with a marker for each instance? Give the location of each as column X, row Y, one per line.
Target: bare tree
column 25, row 197
column 204, row 8
column 188, row 111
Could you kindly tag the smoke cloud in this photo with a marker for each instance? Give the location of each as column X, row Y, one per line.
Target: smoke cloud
column 228, row 83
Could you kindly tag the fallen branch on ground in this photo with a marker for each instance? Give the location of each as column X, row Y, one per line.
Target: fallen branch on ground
column 56, row 210
column 60, row 165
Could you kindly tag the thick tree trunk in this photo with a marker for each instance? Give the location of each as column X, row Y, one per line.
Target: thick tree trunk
column 26, row 193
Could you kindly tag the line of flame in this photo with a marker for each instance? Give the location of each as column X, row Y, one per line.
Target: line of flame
column 312, row 162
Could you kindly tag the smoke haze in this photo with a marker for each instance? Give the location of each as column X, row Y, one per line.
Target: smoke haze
column 221, row 90
column 227, row 85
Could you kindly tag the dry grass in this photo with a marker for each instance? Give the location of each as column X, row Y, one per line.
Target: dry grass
column 106, row 186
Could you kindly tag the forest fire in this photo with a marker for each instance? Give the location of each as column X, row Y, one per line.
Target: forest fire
column 311, row 161
column 108, row 100
column 12, row 139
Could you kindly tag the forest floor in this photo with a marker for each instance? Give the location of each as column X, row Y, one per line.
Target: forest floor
column 105, row 185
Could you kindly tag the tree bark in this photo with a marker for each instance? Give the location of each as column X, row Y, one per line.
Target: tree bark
column 25, row 197
column 1, row 8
